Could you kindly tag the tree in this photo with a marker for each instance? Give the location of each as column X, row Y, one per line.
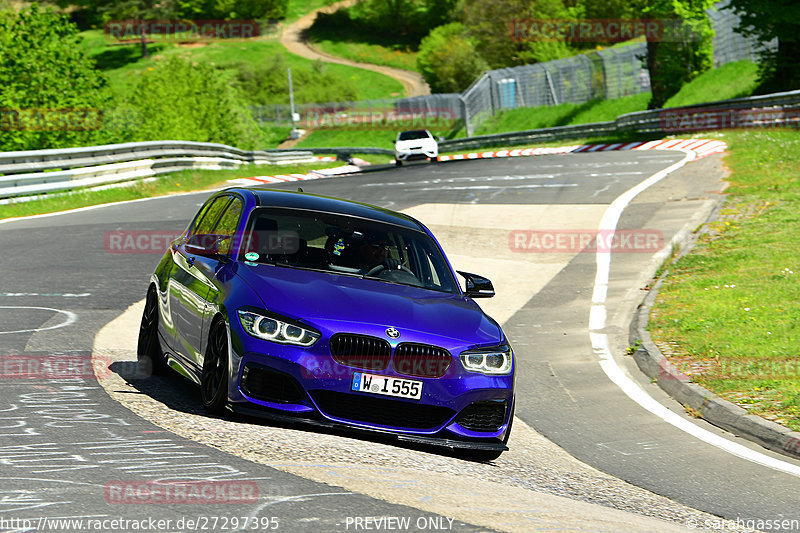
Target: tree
column 176, row 99
column 448, row 60
column 49, row 84
column 767, row 20
column 140, row 10
column 686, row 50
column 489, row 24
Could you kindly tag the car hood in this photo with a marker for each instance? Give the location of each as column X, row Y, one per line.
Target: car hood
column 346, row 303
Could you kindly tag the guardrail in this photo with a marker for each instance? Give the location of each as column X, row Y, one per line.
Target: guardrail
column 650, row 122
column 44, row 171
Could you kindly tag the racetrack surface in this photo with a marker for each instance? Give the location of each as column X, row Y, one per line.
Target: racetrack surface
column 543, row 298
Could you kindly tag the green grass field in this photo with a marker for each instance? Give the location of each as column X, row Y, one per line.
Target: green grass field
column 729, row 312
column 401, row 57
column 123, row 63
column 528, row 118
column 734, row 80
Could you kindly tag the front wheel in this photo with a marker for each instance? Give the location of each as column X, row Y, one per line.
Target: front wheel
column 398, row 163
column 214, row 379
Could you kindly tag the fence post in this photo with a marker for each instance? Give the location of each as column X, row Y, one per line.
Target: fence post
column 465, row 114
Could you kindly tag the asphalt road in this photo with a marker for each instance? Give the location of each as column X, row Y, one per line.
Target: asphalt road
column 62, row 443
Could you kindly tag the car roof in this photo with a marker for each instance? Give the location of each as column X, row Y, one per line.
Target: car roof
column 312, row 202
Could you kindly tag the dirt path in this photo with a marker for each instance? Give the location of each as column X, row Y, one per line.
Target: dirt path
column 293, row 38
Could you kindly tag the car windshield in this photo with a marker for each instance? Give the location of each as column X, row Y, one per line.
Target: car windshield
column 411, row 135
column 347, row 245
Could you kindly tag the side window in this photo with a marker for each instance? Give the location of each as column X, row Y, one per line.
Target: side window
column 228, row 223
column 211, row 216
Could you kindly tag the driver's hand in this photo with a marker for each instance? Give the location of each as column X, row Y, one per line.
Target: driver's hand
column 391, row 263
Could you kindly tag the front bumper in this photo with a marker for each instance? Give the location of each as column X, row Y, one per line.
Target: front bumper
column 314, row 389
column 417, row 154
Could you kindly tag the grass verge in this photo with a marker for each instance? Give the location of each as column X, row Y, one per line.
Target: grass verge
column 728, row 314
column 185, row 181
column 733, row 80
column 529, row 118
column 397, row 56
column 123, row 64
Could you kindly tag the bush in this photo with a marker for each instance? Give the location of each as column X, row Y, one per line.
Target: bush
column 448, row 60
column 193, row 102
column 268, row 83
column 47, row 80
column 398, row 21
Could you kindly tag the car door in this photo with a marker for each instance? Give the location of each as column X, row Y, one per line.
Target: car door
column 190, row 284
column 220, row 271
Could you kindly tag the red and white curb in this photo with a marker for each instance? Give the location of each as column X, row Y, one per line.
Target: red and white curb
column 314, row 174
column 700, row 147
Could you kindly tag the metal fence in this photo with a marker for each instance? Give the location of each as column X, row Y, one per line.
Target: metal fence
column 730, row 46
column 607, row 74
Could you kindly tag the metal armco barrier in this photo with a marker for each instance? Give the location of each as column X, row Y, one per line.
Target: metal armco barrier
column 772, row 110
column 42, row 171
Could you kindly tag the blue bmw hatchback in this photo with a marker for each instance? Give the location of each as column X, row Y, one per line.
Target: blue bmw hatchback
column 293, row 306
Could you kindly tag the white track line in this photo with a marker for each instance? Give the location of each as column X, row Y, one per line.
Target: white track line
column 71, row 318
column 601, row 346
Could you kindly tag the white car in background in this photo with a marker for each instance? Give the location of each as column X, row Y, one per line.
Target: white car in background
column 415, row 144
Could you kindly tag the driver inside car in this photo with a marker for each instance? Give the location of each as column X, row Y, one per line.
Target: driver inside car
column 374, row 253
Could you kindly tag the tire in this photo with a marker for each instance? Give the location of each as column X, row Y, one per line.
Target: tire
column 148, row 351
column 398, row 163
column 214, row 379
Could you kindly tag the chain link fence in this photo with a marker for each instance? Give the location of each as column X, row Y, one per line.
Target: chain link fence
column 605, row 74
column 730, row 46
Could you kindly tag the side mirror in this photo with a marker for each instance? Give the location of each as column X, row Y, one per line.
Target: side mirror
column 478, row 286
column 208, row 245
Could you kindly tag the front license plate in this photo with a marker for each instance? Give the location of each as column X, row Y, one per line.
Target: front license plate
column 387, row 386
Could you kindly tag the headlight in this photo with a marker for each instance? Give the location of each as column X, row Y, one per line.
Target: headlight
column 497, row 360
column 273, row 329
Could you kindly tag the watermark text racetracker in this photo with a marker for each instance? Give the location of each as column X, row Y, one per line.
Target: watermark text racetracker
column 435, row 119
column 53, row 366
column 51, row 119
column 598, row 30
column 587, row 241
column 157, row 241
column 702, row 119
column 181, row 30
column 180, row 492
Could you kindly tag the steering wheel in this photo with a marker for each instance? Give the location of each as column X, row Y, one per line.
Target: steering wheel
column 380, row 268
column 375, row 270
column 405, row 268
